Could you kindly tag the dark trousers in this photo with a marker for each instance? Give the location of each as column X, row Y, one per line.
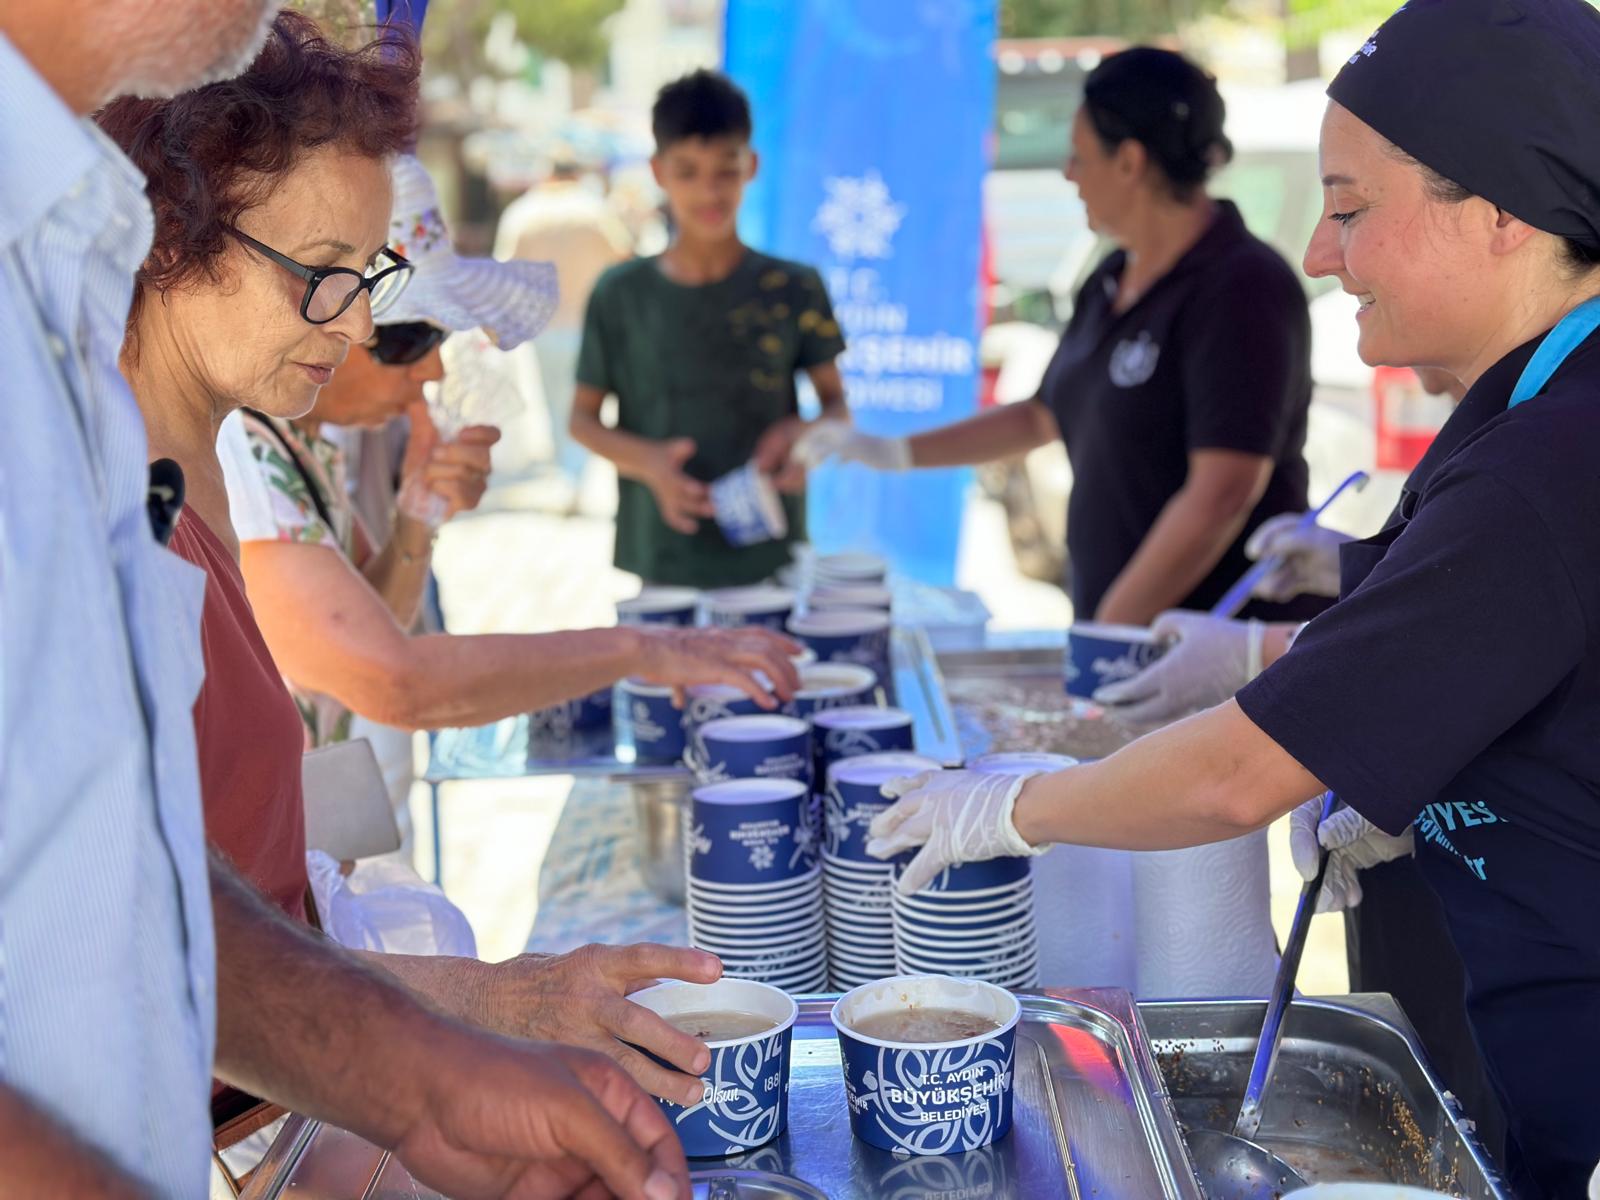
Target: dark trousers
column 1397, row 942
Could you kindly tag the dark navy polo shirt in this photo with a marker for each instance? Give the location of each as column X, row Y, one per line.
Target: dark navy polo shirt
column 1216, row 355
column 1456, row 688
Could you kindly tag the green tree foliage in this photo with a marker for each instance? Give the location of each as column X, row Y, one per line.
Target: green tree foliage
column 571, row 31
column 1087, row 18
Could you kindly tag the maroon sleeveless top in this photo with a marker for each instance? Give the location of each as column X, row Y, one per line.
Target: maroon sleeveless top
column 248, row 733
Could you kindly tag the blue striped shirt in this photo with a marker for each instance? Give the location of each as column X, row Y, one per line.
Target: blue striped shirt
column 107, row 1007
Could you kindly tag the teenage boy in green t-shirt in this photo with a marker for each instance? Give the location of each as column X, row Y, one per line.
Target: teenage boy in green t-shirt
column 700, row 345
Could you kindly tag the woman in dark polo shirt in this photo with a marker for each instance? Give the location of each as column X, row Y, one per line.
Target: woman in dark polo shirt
column 1182, row 381
column 1451, row 698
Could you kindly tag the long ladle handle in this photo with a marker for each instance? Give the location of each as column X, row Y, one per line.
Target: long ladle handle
column 1282, row 992
column 1238, row 595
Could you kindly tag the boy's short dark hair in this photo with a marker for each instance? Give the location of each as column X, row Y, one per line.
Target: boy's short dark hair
column 704, row 104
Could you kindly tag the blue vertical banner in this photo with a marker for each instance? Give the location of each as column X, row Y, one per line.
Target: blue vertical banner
column 403, row 12
column 872, row 122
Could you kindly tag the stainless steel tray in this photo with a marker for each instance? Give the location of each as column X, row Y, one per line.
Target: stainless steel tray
column 1091, row 1121
column 1352, row 1097
column 1006, row 695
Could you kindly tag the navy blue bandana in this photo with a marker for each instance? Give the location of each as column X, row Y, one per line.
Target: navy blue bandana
column 1500, row 96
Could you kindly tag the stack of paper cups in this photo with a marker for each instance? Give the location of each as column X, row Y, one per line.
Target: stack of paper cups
column 974, row 921
column 856, row 887
column 754, row 886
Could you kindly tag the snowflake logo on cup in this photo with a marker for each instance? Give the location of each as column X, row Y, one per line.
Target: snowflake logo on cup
column 761, row 856
column 805, row 844
column 838, row 822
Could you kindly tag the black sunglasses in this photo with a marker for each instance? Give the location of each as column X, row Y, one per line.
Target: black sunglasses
column 405, row 343
column 331, row 290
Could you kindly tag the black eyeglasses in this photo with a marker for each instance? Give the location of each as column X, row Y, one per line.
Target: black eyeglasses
column 331, row 290
column 405, row 343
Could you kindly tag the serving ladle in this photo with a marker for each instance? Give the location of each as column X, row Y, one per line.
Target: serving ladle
column 1232, row 1166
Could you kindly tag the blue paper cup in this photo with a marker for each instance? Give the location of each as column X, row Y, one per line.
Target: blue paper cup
column 826, row 686
column 647, row 722
column 717, row 701
column 848, row 570
column 751, row 832
column 977, row 879
column 928, row 1097
column 741, row 907
column 1017, row 938
column 855, row 874
column 843, row 733
column 868, row 908
column 660, row 606
column 848, row 635
column 778, row 958
column 854, row 796
column 959, row 924
column 776, row 962
column 1098, row 654
column 555, row 724
column 857, row 927
column 1020, row 762
column 745, row 1101
column 594, row 710
column 868, row 595
column 710, row 895
column 968, row 906
column 736, row 938
column 764, row 607
column 748, row 507
column 768, row 746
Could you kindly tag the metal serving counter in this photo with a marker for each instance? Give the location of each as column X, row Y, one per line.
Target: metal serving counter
column 1103, row 1089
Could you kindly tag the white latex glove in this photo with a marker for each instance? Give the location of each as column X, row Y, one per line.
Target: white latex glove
column 1310, row 565
column 1353, row 844
column 1209, row 660
column 823, row 440
column 955, row 816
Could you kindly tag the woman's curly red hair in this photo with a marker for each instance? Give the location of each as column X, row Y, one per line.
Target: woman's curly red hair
column 212, row 153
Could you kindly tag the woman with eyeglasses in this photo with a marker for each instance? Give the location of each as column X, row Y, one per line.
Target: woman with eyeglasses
column 352, row 653
column 272, row 195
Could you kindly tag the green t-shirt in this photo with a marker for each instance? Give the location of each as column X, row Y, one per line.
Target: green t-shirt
column 715, row 363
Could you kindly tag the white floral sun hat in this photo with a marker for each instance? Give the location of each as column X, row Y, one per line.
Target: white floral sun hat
column 511, row 301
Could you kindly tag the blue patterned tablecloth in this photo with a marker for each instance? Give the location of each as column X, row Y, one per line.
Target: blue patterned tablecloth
column 590, row 888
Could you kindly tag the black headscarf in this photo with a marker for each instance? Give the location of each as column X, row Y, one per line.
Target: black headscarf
column 1499, row 96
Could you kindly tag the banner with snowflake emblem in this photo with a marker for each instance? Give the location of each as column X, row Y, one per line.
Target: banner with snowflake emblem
column 872, row 122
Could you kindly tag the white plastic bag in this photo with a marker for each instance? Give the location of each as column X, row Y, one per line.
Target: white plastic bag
column 386, row 906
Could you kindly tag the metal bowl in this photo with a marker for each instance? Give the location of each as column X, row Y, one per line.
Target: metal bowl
column 658, row 805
